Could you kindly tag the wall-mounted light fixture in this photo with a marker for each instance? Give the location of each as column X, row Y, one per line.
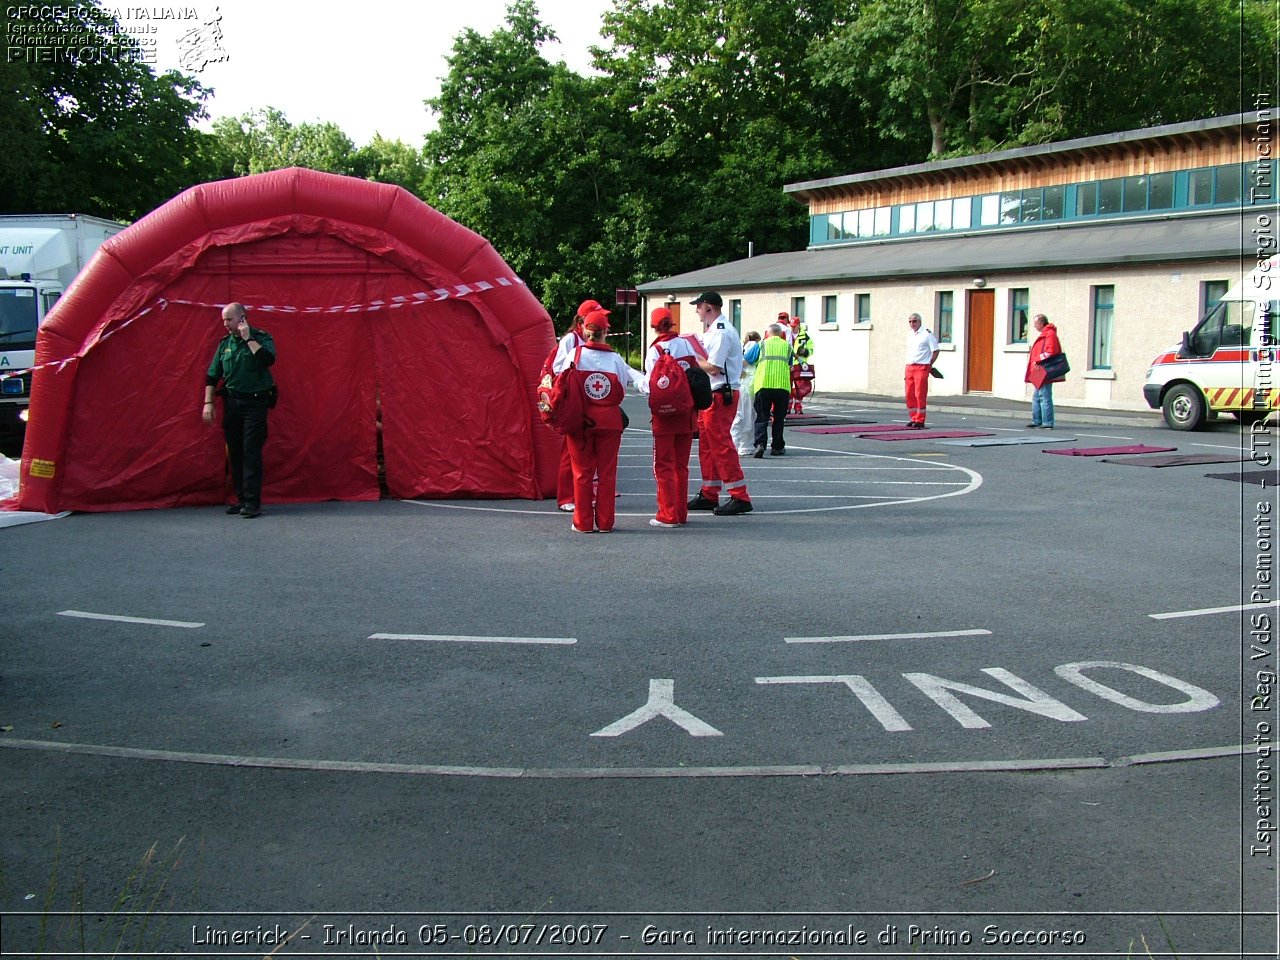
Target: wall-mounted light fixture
column 979, row 282
column 671, row 298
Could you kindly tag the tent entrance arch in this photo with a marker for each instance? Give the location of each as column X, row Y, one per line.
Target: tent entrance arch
column 388, row 318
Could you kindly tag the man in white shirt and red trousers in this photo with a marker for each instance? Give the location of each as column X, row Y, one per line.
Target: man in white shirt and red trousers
column 922, row 353
column 717, row 456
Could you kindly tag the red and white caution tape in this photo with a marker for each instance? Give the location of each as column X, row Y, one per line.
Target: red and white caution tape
column 454, row 292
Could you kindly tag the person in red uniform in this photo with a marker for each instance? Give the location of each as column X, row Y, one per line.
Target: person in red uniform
column 672, row 434
column 570, row 342
column 717, row 456
column 1046, row 345
column 594, row 453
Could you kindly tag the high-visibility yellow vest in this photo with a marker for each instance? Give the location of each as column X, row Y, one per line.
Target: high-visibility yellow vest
column 773, row 369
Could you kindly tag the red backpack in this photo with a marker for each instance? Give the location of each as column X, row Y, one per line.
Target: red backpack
column 561, row 400
column 669, row 393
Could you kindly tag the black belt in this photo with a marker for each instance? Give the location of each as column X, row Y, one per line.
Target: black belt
column 241, row 395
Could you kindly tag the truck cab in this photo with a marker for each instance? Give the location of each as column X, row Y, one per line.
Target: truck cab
column 40, row 255
column 1227, row 362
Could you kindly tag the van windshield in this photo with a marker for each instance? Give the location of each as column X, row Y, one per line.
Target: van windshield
column 17, row 318
column 1229, row 324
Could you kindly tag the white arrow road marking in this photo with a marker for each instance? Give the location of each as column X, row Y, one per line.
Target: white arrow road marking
column 1176, row 614
column 661, row 704
column 891, row 636
column 122, row 619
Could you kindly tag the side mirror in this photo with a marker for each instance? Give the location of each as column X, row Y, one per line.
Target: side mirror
column 1184, row 349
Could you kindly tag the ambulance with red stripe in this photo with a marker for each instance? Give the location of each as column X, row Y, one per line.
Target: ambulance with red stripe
column 1228, row 363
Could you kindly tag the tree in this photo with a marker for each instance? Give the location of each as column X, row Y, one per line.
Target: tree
column 532, row 156
column 965, row 76
column 724, row 110
column 264, row 139
column 390, row 161
column 115, row 139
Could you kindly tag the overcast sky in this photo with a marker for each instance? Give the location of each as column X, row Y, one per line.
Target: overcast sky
column 365, row 66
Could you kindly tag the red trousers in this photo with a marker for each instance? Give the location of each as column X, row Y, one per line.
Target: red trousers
column 595, row 454
column 717, row 456
column 671, row 471
column 564, row 480
column 917, row 391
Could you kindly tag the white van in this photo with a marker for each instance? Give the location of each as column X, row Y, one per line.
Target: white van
column 1228, row 363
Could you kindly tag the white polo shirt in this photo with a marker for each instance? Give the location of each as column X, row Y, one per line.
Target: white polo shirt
column 720, row 340
column 920, row 345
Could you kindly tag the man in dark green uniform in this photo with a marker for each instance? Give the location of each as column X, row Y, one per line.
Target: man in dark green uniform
column 242, row 363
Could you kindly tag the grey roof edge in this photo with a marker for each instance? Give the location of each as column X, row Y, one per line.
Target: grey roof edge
column 1039, row 150
column 725, row 274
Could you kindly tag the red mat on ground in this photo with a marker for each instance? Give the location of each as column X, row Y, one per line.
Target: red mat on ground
column 927, row 435
column 1109, row 451
column 846, row 428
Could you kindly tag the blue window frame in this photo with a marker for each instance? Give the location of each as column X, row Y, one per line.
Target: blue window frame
column 1103, row 314
column 943, row 311
column 862, row 308
column 1019, row 304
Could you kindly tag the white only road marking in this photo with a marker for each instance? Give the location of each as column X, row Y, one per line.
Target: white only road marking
column 1104, row 436
column 1236, row 608
column 891, row 636
column 1217, row 446
column 443, row 638
column 661, row 704
column 596, row 773
column 122, row 619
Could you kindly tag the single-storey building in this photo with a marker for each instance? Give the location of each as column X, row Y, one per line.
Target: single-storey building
column 1122, row 240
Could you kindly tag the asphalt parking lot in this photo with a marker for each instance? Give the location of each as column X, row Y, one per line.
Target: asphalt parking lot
column 923, row 685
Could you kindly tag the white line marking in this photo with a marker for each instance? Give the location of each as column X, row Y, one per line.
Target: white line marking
column 1104, row 436
column 1176, row 614
column 891, row 636
column 1216, row 446
column 443, row 638
column 121, row 619
column 593, row 773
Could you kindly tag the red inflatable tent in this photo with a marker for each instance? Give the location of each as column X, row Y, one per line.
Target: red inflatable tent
column 380, row 307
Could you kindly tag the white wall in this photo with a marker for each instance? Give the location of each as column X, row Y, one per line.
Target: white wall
column 1154, row 304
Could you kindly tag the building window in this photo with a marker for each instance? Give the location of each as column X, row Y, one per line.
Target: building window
column 1053, row 203
column 1086, row 199
column 1211, row 291
column 862, row 307
column 907, row 219
column 1109, row 195
column 1019, row 300
column 735, row 314
column 943, row 307
column 1200, row 188
column 1104, row 308
column 797, row 308
column 1226, row 187
column 1160, row 191
column 829, row 315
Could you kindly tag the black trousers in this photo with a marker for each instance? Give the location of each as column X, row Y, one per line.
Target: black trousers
column 771, row 401
column 244, row 424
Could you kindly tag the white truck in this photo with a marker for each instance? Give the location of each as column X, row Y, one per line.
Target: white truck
column 1229, row 363
column 40, row 254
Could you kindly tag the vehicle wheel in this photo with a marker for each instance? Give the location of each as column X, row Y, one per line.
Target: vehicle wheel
column 1251, row 416
column 1184, row 407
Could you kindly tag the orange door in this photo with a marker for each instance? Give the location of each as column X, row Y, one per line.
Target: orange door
column 980, row 340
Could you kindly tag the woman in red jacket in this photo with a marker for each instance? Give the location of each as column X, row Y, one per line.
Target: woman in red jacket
column 673, row 433
column 594, row 453
column 1046, row 345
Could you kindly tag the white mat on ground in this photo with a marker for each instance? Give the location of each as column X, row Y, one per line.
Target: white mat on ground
column 1006, row 441
column 14, row 518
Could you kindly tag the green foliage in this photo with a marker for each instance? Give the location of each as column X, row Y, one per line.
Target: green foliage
column 96, row 132
column 263, row 140
column 965, row 76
